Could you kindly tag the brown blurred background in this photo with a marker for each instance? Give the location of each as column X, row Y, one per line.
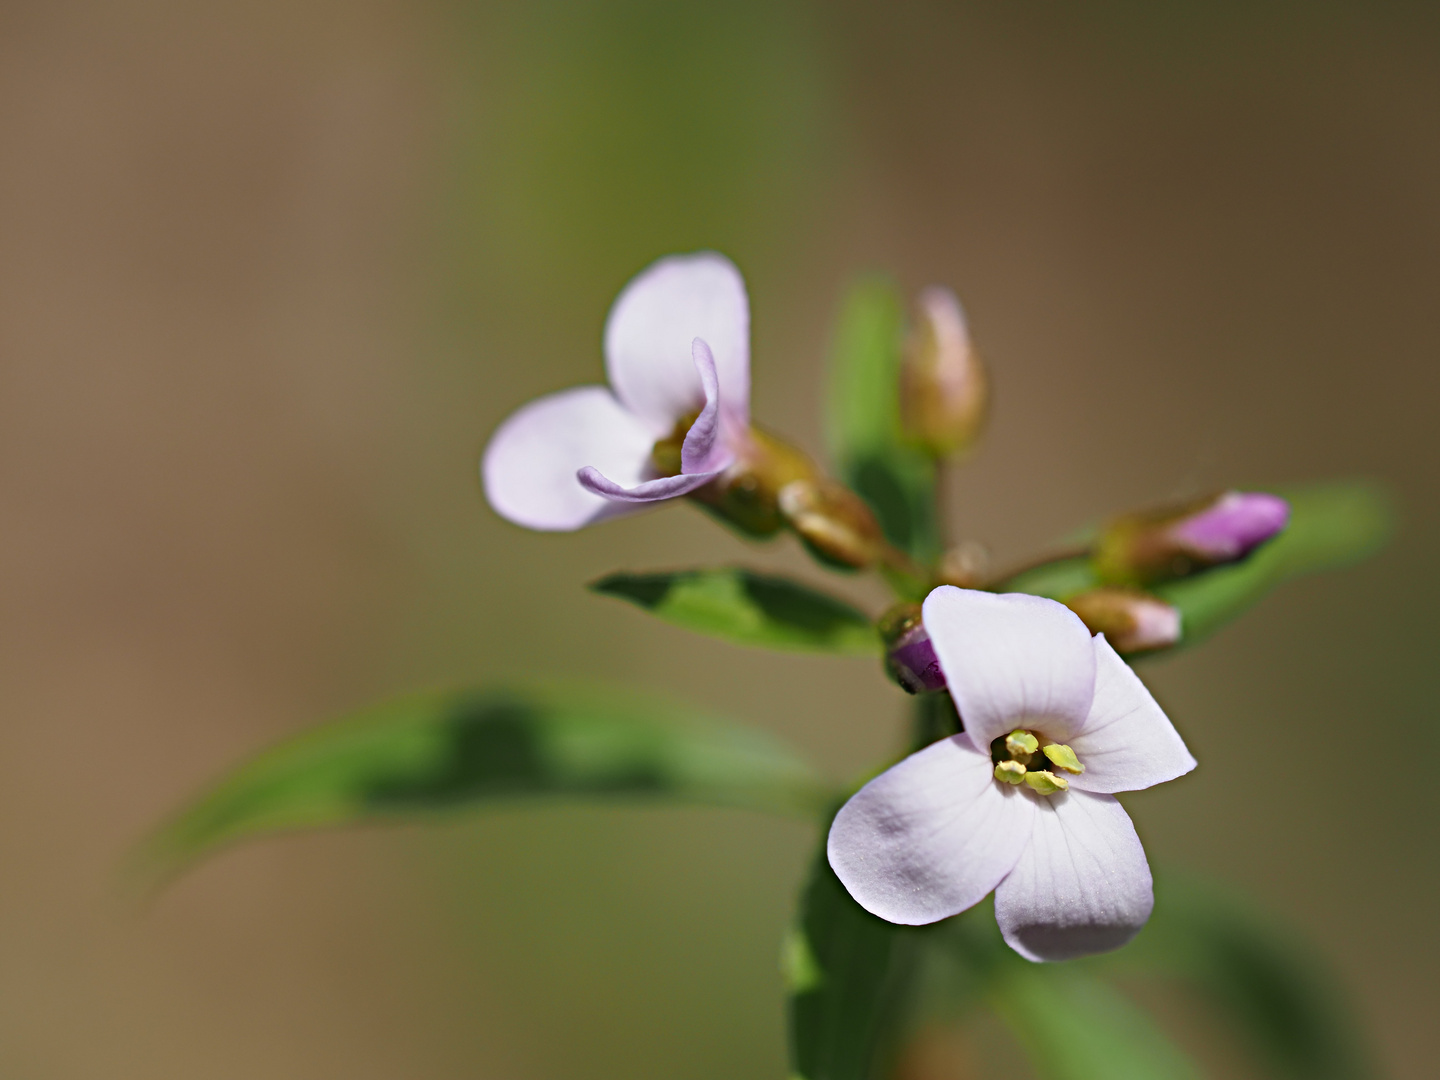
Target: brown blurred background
column 270, row 273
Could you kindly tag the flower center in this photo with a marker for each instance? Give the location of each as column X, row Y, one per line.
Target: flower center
column 666, row 453
column 1022, row 756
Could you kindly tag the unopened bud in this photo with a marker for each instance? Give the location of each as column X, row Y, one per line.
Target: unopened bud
column 834, row 522
column 1174, row 542
column 909, row 656
column 965, row 566
column 747, row 494
column 943, row 387
column 1132, row 622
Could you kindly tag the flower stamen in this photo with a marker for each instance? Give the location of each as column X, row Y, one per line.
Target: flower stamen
column 1019, row 755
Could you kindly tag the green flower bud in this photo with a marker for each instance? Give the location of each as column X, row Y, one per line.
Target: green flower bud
column 834, row 522
column 943, row 387
column 747, row 494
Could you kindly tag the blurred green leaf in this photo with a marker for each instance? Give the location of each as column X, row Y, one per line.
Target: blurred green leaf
column 1331, row 526
column 748, row 608
column 445, row 751
column 863, row 421
column 1075, row 1027
column 1255, row 974
column 853, row 979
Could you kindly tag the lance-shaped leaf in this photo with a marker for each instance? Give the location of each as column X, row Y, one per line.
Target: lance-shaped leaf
column 1331, row 526
column 1254, row 973
column 748, row 608
column 447, row 751
column 854, row 981
column 863, row 419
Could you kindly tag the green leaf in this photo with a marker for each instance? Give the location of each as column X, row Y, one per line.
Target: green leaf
column 853, row 981
column 863, row 421
column 1256, row 975
column 446, row 751
column 748, row 608
column 1075, row 1027
column 1331, row 526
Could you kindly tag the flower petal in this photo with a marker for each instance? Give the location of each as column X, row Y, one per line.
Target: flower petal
column 1127, row 742
column 931, row 836
column 665, row 487
column 1012, row 661
column 704, row 450
column 1081, row 887
column 649, row 333
column 530, row 464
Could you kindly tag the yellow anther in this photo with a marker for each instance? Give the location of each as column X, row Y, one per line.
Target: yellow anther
column 1062, row 757
column 1011, row 772
column 1046, row 783
column 1021, row 744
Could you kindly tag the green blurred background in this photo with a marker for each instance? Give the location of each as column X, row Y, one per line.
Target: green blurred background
column 271, row 272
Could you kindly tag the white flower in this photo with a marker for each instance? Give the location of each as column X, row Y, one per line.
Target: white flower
column 677, row 352
column 933, row 835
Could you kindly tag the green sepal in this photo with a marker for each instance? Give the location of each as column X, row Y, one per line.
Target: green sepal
column 748, row 608
column 863, row 419
column 457, row 750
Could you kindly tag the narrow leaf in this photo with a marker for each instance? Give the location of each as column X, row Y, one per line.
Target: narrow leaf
column 863, row 421
column 447, row 751
column 1256, row 975
column 1075, row 1027
column 853, row 981
column 748, row 608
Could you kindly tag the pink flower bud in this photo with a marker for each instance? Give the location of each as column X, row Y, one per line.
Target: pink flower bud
column 1173, row 542
column 943, row 387
column 909, row 657
column 1133, row 622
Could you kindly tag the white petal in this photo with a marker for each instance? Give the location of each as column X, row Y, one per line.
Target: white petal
column 704, row 449
column 657, row 490
column 530, row 465
column 1127, row 742
column 1081, row 887
column 650, row 329
column 931, row 836
column 1012, row 661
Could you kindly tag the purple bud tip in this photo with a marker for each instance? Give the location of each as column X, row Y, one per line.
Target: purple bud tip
column 1233, row 525
column 913, row 663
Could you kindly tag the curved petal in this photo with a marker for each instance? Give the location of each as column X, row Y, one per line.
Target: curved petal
column 1127, row 742
column 1081, row 887
column 931, row 836
column 652, row 324
column 1012, row 661
column 530, row 464
column 704, row 450
column 665, row 487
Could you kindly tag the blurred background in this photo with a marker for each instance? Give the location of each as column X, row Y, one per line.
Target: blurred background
column 271, row 272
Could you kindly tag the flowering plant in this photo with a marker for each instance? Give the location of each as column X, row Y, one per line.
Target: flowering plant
column 1028, row 718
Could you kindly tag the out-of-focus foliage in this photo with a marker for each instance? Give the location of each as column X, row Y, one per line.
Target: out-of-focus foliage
column 863, row 419
column 1331, row 526
column 748, row 608
column 1255, row 974
column 446, row 751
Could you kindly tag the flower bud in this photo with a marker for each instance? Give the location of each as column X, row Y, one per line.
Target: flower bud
column 943, row 387
column 1174, row 542
column 747, row 494
column 909, row 657
column 833, row 521
column 1131, row 621
column 965, row 566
